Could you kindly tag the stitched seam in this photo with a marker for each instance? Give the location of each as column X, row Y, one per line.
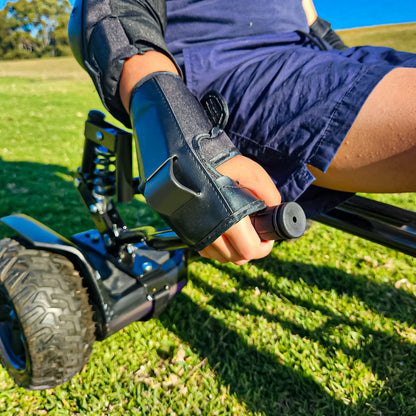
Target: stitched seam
column 335, row 110
column 210, row 181
column 258, row 145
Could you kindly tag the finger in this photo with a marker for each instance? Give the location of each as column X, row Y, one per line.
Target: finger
column 239, row 245
column 212, row 253
column 245, row 241
column 222, row 251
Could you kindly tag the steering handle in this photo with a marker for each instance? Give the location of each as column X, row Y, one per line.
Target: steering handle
column 282, row 222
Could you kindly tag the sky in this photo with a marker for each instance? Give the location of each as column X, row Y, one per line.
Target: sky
column 346, row 14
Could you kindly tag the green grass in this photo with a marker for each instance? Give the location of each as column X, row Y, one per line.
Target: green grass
column 401, row 37
column 323, row 326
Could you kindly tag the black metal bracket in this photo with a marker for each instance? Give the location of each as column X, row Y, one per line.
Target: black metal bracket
column 378, row 222
column 120, row 292
column 102, row 142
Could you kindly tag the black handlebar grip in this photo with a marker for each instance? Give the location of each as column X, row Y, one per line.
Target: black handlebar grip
column 282, row 222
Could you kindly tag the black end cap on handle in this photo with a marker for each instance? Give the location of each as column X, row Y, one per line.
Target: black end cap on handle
column 283, row 222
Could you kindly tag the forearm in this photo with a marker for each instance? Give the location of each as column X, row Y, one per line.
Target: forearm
column 310, row 11
column 137, row 67
column 321, row 28
column 121, row 45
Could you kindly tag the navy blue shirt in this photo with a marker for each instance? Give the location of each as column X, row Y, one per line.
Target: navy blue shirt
column 210, row 38
column 196, row 22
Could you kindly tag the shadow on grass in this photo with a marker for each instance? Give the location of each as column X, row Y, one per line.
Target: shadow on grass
column 381, row 298
column 255, row 377
column 47, row 193
column 44, row 192
column 269, row 386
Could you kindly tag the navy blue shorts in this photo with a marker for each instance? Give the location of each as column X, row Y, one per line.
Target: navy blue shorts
column 291, row 104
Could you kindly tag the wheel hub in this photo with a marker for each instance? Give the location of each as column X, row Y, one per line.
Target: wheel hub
column 11, row 336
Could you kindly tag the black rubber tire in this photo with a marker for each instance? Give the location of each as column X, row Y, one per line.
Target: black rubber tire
column 46, row 322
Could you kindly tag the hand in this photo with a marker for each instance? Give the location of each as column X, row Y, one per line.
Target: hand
column 240, row 243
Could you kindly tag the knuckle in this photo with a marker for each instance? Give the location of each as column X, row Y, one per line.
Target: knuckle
column 248, row 252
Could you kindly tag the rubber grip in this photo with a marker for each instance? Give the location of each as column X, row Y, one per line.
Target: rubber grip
column 282, row 222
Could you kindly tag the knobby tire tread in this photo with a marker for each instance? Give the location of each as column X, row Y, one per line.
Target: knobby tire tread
column 54, row 313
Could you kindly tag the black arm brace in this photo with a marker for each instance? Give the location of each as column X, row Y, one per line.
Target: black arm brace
column 103, row 33
column 178, row 147
column 179, row 150
column 323, row 30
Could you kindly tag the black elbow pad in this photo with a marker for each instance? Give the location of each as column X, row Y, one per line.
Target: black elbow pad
column 104, row 33
column 178, row 151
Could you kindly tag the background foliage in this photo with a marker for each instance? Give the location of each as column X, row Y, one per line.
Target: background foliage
column 33, row 29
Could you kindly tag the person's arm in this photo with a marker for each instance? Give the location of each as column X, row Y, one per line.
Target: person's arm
column 134, row 73
column 239, row 243
column 310, row 11
column 104, row 34
column 139, row 66
column 321, row 28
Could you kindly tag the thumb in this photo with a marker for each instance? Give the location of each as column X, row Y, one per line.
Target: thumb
column 251, row 175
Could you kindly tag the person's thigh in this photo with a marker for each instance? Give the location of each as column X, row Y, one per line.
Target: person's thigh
column 292, row 106
column 292, row 109
column 379, row 151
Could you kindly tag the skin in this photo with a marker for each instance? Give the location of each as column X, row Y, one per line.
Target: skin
column 378, row 154
column 310, row 11
column 240, row 243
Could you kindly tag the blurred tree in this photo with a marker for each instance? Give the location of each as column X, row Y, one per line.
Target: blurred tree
column 34, row 28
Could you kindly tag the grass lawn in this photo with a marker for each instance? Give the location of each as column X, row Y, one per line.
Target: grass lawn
column 323, row 326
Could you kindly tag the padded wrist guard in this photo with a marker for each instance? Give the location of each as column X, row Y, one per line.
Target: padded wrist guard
column 323, row 30
column 178, row 151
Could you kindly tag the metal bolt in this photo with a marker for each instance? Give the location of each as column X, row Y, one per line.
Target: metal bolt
column 147, row 267
column 149, row 298
column 215, row 131
column 130, row 249
column 99, row 136
column 108, row 242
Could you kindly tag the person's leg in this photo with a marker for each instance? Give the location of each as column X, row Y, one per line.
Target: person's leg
column 379, row 152
column 291, row 107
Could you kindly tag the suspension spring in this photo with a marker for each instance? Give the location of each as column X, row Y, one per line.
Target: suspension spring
column 104, row 177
